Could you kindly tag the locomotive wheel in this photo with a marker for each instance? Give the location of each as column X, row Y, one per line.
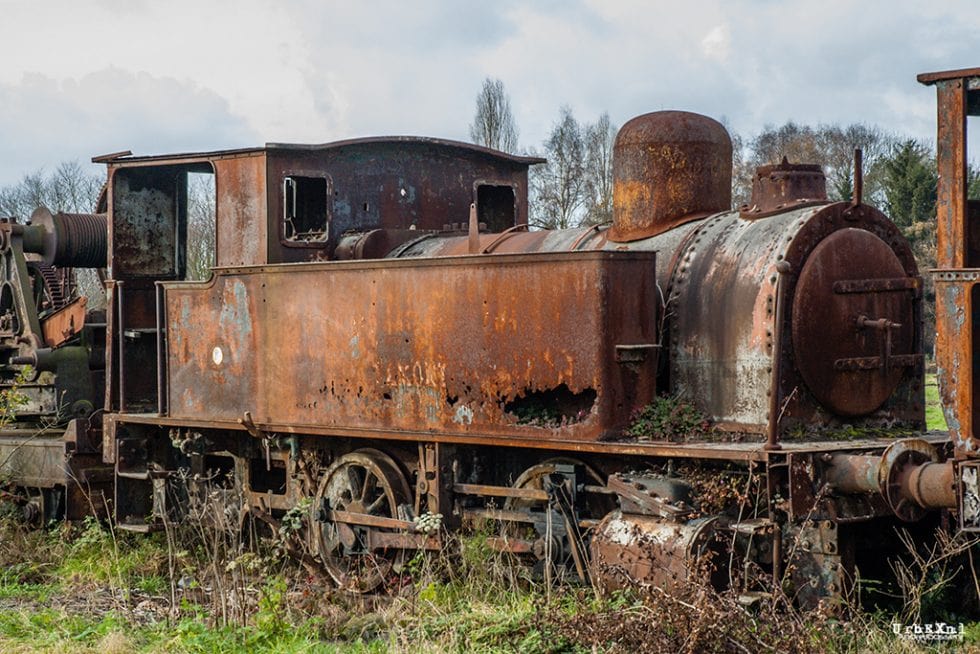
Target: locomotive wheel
column 593, row 506
column 367, row 482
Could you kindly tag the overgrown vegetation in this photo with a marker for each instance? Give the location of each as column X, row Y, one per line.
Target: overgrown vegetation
column 210, row 585
column 670, row 419
column 84, row 588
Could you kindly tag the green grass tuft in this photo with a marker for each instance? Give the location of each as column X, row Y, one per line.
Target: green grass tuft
column 934, row 410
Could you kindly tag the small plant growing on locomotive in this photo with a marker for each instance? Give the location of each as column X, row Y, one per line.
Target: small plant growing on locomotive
column 670, row 419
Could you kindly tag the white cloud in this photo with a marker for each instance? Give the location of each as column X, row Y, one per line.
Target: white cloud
column 46, row 121
column 151, row 75
column 716, row 43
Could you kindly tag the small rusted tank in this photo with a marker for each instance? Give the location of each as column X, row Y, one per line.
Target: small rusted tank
column 784, row 186
column 669, row 167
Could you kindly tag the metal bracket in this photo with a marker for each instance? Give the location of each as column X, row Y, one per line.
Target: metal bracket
column 561, row 492
column 651, row 496
column 634, row 353
column 884, row 285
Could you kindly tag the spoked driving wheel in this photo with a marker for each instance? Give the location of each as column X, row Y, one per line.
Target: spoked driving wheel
column 358, row 486
column 592, row 505
column 552, row 540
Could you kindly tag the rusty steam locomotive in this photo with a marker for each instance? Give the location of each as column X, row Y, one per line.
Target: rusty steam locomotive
column 383, row 338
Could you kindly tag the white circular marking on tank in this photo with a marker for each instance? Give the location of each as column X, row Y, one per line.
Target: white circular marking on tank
column 217, row 355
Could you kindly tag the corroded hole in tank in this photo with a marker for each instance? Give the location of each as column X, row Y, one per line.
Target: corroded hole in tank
column 555, row 407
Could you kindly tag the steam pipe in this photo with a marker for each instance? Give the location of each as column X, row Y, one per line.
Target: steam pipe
column 906, row 474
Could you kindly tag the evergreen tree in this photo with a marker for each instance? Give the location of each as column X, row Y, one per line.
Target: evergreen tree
column 909, row 186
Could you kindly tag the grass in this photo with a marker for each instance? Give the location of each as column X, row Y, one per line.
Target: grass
column 934, row 411
column 48, row 630
column 88, row 590
column 84, row 588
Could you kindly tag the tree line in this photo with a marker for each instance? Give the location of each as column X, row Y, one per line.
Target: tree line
column 574, row 187
column 72, row 188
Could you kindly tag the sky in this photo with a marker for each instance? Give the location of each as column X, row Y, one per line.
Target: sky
column 80, row 78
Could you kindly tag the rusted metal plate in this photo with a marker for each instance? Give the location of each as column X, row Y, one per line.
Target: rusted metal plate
column 721, row 307
column 957, row 276
column 952, row 228
column 721, row 316
column 956, row 331
column 398, row 183
column 906, row 404
column 64, row 323
column 144, row 226
column 241, row 209
column 511, row 242
column 830, row 328
column 932, row 78
column 503, row 345
column 33, row 460
column 631, row 550
column 784, row 186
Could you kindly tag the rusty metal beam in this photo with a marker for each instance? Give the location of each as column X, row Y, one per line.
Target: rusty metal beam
column 953, row 231
column 500, row 491
column 368, row 520
column 739, row 452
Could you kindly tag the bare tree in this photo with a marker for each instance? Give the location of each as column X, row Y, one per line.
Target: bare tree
column 798, row 143
column 69, row 188
column 832, row 147
column 559, row 187
column 493, row 125
column 838, row 145
column 73, row 190
column 741, row 166
column 200, row 225
column 600, row 137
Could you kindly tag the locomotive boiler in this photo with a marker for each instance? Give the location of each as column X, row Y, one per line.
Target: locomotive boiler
column 383, row 338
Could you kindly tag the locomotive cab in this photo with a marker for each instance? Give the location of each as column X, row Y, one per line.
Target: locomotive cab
column 281, row 204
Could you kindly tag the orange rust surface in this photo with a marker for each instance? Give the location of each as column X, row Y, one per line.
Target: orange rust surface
column 241, row 208
column 64, row 323
column 441, row 344
column 956, row 274
column 669, row 167
column 951, row 162
column 954, row 358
